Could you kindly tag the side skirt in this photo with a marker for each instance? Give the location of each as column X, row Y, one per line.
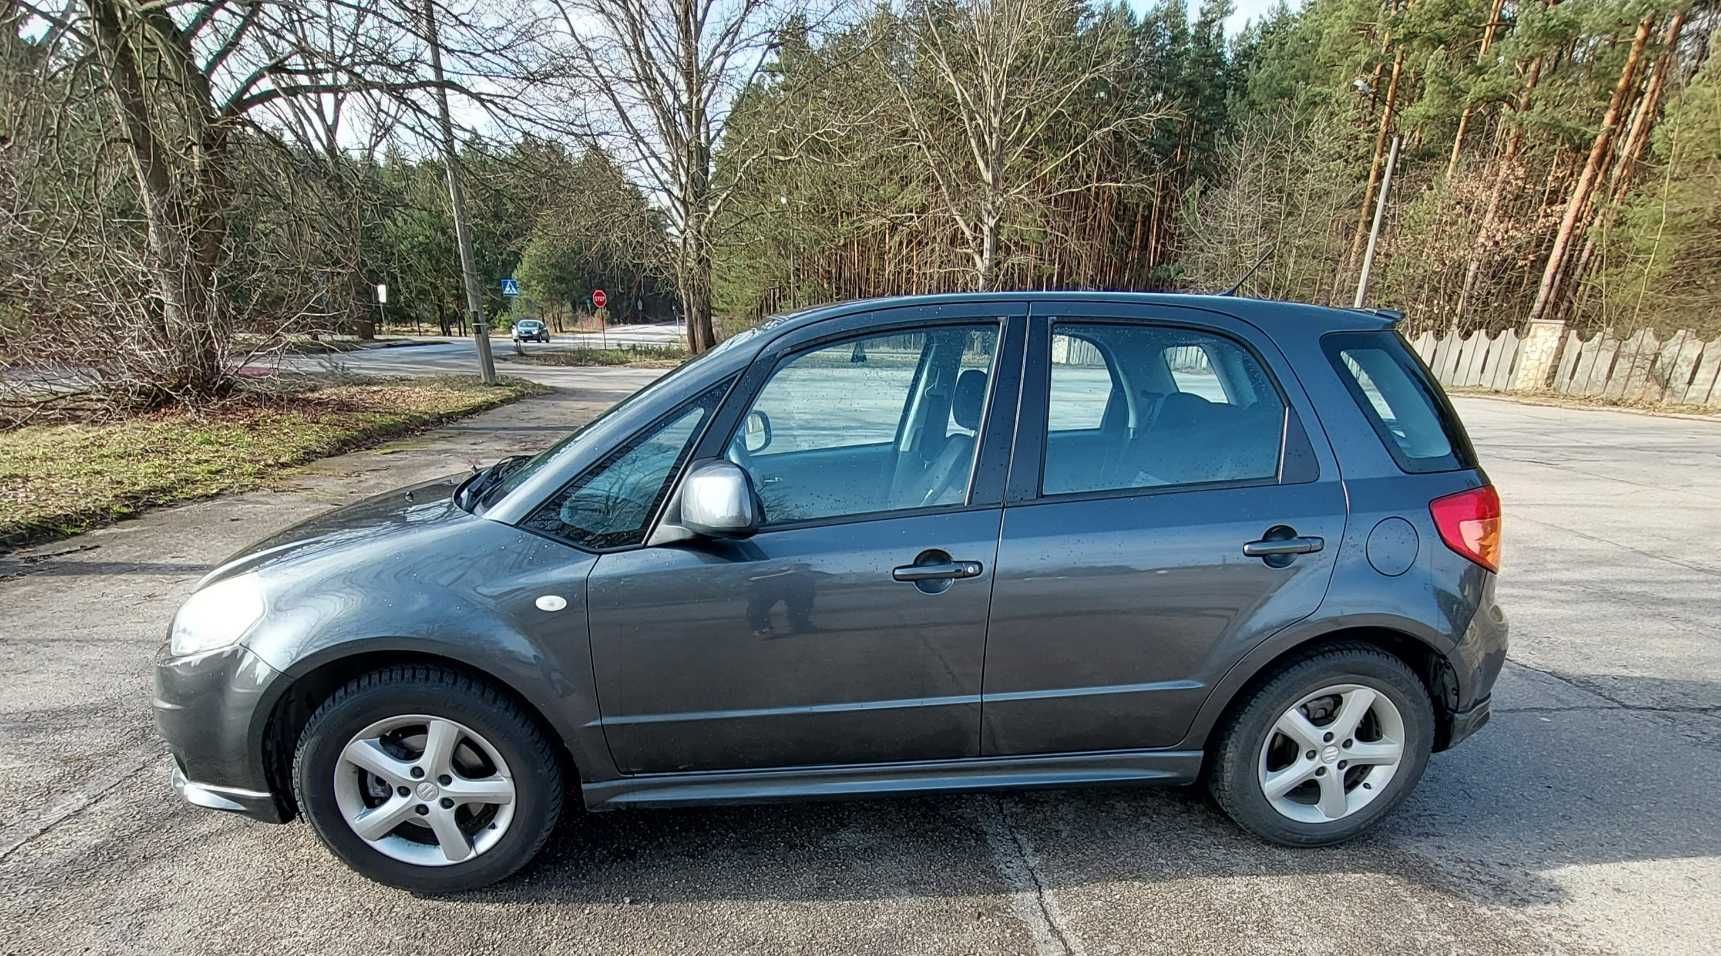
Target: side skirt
column 980, row 773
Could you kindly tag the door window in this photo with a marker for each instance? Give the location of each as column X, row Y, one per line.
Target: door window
column 876, row 423
column 608, row 505
column 1084, row 377
column 1139, row 406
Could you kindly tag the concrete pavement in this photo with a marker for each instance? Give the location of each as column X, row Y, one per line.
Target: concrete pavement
column 1582, row 819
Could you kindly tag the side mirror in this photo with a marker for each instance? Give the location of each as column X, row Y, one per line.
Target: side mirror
column 758, row 432
column 717, row 501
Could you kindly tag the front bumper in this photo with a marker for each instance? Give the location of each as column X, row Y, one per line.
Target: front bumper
column 209, row 708
column 256, row 804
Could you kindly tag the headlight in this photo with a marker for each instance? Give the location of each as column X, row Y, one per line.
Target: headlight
column 217, row 616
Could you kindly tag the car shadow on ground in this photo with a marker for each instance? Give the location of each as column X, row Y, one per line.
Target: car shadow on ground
column 53, row 566
column 1540, row 790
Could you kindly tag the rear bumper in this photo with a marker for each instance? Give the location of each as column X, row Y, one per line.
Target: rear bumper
column 1466, row 722
column 1476, row 662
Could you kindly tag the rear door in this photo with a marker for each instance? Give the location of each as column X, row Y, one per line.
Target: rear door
column 1170, row 503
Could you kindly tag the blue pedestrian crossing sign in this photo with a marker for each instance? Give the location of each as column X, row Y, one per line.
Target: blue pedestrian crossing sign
column 510, row 287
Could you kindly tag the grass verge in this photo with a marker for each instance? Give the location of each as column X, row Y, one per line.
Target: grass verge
column 643, row 356
column 60, row 480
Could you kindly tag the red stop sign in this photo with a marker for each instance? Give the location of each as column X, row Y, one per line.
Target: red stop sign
column 598, row 298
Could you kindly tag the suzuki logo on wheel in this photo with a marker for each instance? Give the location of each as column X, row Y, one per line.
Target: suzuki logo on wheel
column 1329, row 753
column 427, row 791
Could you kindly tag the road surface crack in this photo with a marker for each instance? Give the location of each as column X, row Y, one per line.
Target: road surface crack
column 1617, row 704
column 1031, row 898
column 1651, row 555
column 28, row 830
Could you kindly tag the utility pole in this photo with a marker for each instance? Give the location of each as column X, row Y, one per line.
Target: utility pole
column 1374, row 232
column 457, row 199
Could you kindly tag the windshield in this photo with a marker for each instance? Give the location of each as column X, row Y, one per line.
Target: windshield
column 520, row 474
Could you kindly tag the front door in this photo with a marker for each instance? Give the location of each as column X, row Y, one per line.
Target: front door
column 851, row 628
column 1152, row 449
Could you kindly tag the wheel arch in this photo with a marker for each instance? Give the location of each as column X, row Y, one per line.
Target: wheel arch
column 1420, row 649
column 297, row 694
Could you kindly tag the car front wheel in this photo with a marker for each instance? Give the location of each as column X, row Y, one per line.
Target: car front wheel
column 1325, row 748
column 427, row 779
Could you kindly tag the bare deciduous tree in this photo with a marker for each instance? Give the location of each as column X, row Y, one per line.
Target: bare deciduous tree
column 658, row 79
column 194, row 99
column 998, row 100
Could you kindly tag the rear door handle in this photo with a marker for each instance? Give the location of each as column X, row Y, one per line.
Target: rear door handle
column 937, row 572
column 1278, row 547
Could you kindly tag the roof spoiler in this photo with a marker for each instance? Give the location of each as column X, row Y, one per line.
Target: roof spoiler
column 1394, row 316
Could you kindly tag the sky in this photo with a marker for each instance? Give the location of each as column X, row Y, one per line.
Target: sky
column 1246, row 10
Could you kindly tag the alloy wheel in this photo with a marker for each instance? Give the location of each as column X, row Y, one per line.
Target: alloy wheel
column 1331, row 754
column 424, row 790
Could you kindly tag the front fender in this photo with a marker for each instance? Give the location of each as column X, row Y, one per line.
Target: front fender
column 469, row 597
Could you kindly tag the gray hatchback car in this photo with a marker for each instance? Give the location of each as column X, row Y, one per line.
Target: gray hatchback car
column 954, row 542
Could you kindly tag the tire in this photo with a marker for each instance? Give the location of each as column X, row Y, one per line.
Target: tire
column 493, row 734
column 1250, row 744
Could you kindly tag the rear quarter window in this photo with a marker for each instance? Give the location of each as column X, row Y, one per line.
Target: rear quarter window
column 1401, row 402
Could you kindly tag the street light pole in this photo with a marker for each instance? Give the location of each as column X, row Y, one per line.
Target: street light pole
column 1374, row 231
column 457, row 199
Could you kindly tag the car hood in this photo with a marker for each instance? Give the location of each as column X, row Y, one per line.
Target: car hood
column 372, row 526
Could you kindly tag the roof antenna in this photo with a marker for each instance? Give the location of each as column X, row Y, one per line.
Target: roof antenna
column 1246, row 275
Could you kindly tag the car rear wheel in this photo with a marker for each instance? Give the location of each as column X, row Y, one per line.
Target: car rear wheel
column 426, row 779
column 1325, row 748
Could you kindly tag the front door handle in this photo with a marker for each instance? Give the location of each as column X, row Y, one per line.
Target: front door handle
column 944, row 570
column 1282, row 547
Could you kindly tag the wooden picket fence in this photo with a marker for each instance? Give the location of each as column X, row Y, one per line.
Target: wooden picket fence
column 1682, row 369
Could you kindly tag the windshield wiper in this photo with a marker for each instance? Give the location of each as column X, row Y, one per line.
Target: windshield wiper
column 484, row 479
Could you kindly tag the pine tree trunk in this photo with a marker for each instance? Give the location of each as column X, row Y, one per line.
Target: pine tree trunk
column 1502, row 176
column 1366, row 211
column 1630, row 152
column 1577, row 203
column 1488, row 33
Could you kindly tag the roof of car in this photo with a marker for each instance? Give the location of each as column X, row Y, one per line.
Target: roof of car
column 1271, row 314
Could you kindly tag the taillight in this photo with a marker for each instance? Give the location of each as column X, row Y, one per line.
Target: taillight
column 1469, row 523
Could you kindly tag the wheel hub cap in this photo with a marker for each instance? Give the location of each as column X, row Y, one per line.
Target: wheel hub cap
column 1331, row 754
column 424, row 790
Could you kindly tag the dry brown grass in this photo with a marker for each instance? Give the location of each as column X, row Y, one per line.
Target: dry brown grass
column 62, row 479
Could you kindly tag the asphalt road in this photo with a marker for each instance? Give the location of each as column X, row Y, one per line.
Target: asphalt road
column 460, row 355
column 1583, row 819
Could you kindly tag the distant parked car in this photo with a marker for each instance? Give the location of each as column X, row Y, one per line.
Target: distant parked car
column 531, row 330
column 976, row 542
